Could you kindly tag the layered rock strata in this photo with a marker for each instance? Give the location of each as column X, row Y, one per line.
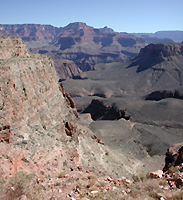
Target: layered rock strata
column 30, row 98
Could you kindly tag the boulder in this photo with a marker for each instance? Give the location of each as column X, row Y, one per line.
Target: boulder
column 157, row 174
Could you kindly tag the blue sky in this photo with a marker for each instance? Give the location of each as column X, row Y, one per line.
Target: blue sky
column 121, row 15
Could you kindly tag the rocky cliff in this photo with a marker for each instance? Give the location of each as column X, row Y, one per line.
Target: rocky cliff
column 29, row 94
column 28, row 32
column 155, row 54
column 162, row 50
column 65, row 68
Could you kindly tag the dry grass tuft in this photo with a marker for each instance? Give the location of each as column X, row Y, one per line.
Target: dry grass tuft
column 62, row 174
column 22, row 184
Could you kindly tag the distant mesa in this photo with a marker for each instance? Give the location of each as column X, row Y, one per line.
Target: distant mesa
column 155, row 53
column 162, row 36
column 150, row 39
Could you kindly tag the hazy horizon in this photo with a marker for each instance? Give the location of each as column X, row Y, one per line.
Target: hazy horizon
column 91, row 26
column 130, row 16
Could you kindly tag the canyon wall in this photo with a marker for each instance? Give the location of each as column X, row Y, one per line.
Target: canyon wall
column 30, row 98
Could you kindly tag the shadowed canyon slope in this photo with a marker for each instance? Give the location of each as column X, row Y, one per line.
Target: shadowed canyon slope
column 157, row 67
column 125, row 92
column 155, row 74
column 157, row 70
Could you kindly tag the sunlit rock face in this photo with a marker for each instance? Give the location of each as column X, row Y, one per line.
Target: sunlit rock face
column 30, row 98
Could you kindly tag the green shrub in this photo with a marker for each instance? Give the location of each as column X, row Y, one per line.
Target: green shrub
column 148, row 175
column 44, row 127
column 163, row 182
column 65, row 163
column 42, row 173
column 135, row 178
column 173, row 169
column 57, row 184
column 24, row 159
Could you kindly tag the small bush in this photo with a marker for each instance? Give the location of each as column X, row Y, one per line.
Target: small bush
column 65, row 163
column 25, row 159
column 141, row 177
column 163, row 182
column 135, row 178
column 148, row 176
column 44, row 127
column 57, row 184
column 92, row 179
column 177, row 195
column 91, row 183
column 173, row 169
column 151, row 185
column 42, row 173
column 22, row 184
column 21, row 136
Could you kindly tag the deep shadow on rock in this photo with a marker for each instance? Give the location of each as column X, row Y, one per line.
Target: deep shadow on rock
column 154, row 54
column 163, row 94
column 100, row 111
column 174, row 156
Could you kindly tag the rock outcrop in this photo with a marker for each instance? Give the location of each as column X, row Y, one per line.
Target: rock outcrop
column 65, row 68
column 13, row 47
column 30, row 98
column 156, row 53
column 162, row 50
column 100, row 111
column 174, row 156
column 164, row 94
